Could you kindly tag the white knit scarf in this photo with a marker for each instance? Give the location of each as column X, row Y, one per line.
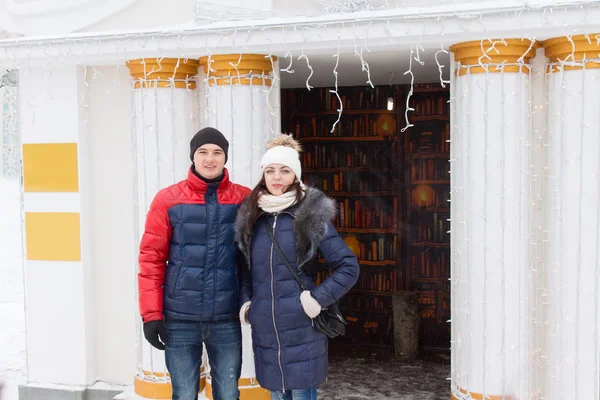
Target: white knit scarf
column 273, row 204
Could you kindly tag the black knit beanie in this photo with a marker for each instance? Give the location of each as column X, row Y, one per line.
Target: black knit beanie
column 208, row 135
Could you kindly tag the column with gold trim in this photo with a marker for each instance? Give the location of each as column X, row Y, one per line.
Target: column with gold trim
column 490, row 213
column 57, row 237
column 241, row 99
column 165, row 113
column 573, row 217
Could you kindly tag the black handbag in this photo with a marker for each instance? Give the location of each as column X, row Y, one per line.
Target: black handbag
column 330, row 320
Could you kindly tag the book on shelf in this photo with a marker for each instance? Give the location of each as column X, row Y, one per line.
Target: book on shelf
column 431, row 227
column 367, row 213
column 351, row 182
column 430, row 263
column 429, row 104
column 427, row 300
column 381, row 251
column 350, row 98
column 424, row 196
column 428, row 142
column 332, row 155
column 349, row 126
column 378, row 281
column 378, row 250
column 423, row 169
column 367, row 302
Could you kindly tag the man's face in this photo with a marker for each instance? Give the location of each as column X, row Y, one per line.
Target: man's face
column 209, row 161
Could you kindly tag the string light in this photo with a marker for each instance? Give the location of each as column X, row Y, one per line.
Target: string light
column 363, row 64
column 410, row 92
column 335, row 74
column 455, row 227
column 10, row 151
column 440, row 67
column 274, row 121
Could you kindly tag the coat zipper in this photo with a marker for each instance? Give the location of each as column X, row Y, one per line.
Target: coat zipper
column 273, row 309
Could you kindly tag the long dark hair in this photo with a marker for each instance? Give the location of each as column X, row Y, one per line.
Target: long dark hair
column 261, row 188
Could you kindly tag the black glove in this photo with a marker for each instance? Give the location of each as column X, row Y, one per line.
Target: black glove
column 155, row 334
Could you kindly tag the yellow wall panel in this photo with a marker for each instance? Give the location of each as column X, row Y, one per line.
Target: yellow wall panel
column 50, row 167
column 52, row 236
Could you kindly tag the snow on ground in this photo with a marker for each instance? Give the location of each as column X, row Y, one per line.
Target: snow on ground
column 12, row 314
column 373, row 379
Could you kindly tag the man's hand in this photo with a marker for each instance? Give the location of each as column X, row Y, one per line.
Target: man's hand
column 155, row 334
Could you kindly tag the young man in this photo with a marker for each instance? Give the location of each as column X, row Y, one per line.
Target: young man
column 188, row 280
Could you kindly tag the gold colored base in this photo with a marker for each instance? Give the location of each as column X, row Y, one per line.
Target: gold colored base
column 479, row 396
column 249, row 390
column 159, row 390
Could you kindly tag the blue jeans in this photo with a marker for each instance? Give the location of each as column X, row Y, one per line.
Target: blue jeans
column 295, row 394
column 183, row 355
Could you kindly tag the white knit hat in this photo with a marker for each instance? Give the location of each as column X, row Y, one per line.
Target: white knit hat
column 283, row 149
column 282, row 155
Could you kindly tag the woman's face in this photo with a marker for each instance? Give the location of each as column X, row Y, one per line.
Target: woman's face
column 278, row 178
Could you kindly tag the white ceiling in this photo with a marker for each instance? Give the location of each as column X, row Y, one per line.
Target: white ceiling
column 383, row 66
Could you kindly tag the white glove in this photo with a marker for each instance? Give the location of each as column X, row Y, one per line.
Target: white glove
column 244, row 313
column 312, row 308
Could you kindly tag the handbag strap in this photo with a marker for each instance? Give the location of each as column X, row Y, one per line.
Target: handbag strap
column 282, row 256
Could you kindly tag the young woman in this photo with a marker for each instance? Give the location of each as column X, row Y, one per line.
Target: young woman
column 290, row 353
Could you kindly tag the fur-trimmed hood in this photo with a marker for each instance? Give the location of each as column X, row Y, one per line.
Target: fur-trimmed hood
column 311, row 219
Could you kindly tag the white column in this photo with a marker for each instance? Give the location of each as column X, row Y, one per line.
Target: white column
column 491, row 212
column 573, row 250
column 538, row 342
column 110, row 139
column 164, row 121
column 57, row 269
column 241, row 99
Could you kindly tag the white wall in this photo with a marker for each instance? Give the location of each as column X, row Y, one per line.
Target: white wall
column 147, row 14
column 315, row 7
column 114, row 250
column 51, row 110
column 43, row 17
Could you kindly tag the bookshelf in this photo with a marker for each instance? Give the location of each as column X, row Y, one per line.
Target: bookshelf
column 427, row 180
column 390, row 188
column 359, row 165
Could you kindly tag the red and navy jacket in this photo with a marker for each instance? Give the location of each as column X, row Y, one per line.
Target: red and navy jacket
column 188, row 255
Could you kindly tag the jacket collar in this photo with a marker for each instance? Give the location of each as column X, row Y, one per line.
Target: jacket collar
column 311, row 219
column 290, row 211
column 198, row 185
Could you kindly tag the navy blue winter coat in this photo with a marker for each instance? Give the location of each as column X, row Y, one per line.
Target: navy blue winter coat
column 188, row 258
column 289, row 352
